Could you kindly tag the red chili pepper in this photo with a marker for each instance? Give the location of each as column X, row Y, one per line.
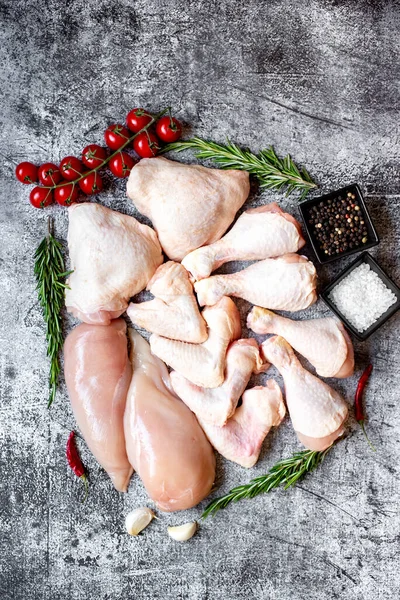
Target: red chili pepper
column 358, row 405
column 74, row 461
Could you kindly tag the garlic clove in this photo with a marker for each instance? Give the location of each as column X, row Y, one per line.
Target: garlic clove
column 182, row 533
column 138, row 519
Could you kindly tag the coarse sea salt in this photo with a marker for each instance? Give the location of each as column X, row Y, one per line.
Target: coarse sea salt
column 362, row 297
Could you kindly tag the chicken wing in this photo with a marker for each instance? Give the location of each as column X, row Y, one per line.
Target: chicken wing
column 240, row 440
column 203, row 364
column 174, row 312
column 217, row 405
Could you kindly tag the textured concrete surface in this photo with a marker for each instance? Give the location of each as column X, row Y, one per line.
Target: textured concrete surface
column 319, row 80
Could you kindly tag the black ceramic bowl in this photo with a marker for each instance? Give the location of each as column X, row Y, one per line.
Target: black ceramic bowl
column 306, row 205
column 366, row 258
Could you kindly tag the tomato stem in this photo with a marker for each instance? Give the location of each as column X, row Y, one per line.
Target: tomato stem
column 107, row 160
column 49, row 226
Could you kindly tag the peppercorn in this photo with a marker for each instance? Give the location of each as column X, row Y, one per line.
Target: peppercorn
column 337, row 224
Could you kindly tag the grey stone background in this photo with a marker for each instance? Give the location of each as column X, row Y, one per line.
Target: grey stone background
column 319, row 80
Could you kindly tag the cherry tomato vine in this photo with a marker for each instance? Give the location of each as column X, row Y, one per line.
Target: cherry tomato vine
column 62, row 183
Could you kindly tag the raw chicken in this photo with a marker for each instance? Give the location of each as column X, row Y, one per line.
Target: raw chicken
column 174, row 312
column 164, row 440
column 258, row 233
column 112, row 256
column 217, row 405
column 323, row 342
column 284, row 283
column 189, row 205
column 318, row 412
column 240, row 440
column 98, row 373
column 203, row 364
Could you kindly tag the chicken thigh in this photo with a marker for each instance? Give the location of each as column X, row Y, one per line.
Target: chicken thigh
column 284, row 283
column 323, row 342
column 258, row 233
column 240, row 440
column 112, row 256
column 217, row 405
column 317, row 411
column 98, row 373
column 174, row 312
column 164, row 440
column 189, row 205
column 203, row 364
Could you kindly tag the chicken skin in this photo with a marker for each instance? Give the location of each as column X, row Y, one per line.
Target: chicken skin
column 203, row 364
column 258, row 233
column 164, row 440
column 323, row 342
column 174, row 312
column 318, row 412
column 112, row 256
column 189, row 205
column 284, row 283
column 98, row 373
column 240, row 440
column 217, row 405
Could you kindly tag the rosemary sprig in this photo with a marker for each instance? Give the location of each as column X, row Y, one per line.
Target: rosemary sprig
column 271, row 171
column 50, row 276
column 284, row 474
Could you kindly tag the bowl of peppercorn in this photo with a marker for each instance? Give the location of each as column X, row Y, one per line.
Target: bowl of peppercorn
column 338, row 224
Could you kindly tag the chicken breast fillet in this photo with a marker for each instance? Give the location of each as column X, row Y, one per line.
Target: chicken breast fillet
column 318, row 412
column 164, row 440
column 174, row 312
column 284, row 283
column 113, row 256
column 323, row 342
column 98, row 373
column 189, row 205
column 203, row 364
column 258, row 233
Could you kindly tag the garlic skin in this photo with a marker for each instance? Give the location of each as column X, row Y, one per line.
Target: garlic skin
column 138, row 519
column 182, row 533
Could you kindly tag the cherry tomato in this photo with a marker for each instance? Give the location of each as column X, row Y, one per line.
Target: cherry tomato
column 146, row 144
column 49, row 174
column 91, row 183
column 26, row 172
column 168, row 129
column 93, row 155
column 71, row 168
column 121, row 164
column 137, row 119
column 41, row 197
column 116, row 136
column 66, row 194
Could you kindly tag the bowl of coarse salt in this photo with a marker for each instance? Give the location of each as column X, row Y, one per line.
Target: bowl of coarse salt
column 362, row 296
